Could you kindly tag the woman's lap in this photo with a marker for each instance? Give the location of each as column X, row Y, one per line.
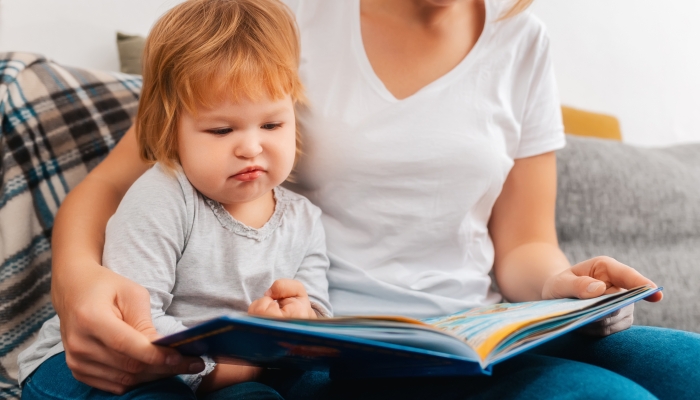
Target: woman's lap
column 635, row 364
column 638, row 363
column 664, row 361
column 526, row 377
column 53, row 380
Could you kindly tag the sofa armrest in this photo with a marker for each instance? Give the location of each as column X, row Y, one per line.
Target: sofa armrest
column 58, row 123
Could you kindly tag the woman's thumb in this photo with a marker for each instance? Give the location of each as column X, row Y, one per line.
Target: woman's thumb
column 587, row 287
column 570, row 285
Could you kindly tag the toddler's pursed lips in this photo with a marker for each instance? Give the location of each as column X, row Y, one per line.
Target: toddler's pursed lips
column 249, row 173
column 250, row 169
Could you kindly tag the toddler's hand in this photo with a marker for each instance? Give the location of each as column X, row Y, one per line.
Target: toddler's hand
column 286, row 298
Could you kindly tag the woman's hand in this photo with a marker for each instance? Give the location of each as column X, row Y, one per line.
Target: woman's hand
column 107, row 333
column 595, row 277
column 611, row 323
column 528, row 262
column 105, row 318
column 286, row 298
column 592, row 278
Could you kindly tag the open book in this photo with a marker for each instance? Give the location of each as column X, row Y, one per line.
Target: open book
column 465, row 343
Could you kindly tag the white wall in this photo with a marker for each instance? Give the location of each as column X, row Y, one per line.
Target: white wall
column 76, row 32
column 635, row 59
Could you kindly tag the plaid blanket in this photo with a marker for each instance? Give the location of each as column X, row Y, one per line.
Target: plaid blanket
column 57, row 124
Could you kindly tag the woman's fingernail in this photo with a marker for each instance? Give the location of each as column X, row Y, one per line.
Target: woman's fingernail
column 173, row 359
column 595, row 286
column 269, row 292
column 196, row 366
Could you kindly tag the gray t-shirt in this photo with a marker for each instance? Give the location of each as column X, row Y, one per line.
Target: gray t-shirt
column 197, row 261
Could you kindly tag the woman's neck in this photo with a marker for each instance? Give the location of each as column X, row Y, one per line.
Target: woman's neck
column 423, row 13
column 411, row 43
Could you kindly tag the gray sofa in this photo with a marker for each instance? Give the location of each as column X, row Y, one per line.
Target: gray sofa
column 641, row 206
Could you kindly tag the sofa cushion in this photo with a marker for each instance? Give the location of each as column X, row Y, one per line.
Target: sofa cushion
column 130, row 48
column 57, row 124
column 642, row 207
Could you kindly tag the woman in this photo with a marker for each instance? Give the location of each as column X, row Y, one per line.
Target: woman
column 429, row 147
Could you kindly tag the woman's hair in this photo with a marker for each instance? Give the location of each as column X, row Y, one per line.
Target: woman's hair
column 204, row 51
column 517, row 7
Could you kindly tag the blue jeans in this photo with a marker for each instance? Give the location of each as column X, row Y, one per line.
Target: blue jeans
column 53, row 380
column 639, row 363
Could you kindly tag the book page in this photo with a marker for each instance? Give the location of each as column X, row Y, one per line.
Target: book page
column 484, row 328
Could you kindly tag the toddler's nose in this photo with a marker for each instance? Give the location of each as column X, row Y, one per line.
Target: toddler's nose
column 248, row 147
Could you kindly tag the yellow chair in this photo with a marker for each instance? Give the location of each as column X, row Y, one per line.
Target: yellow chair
column 585, row 123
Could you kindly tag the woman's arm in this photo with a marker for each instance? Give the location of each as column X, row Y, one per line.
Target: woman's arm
column 105, row 319
column 529, row 264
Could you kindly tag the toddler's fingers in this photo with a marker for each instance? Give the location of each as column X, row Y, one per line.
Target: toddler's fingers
column 273, row 310
column 283, row 288
column 259, row 306
column 291, row 309
column 266, row 307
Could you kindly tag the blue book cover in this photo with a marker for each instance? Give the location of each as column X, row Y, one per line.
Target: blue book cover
column 464, row 343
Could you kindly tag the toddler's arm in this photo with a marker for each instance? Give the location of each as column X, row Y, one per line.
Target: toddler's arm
column 145, row 239
column 314, row 268
column 305, row 296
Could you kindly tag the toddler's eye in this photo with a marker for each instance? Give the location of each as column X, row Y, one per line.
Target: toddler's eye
column 220, row 131
column 271, row 126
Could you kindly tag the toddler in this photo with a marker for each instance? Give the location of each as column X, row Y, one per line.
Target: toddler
column 208, row 230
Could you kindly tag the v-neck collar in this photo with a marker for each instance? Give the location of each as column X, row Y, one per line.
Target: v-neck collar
column 377, row 84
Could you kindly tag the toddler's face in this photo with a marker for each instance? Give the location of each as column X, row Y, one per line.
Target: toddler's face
column 236, row 152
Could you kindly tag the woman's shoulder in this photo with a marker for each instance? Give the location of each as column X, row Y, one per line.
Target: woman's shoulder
column 524, row 27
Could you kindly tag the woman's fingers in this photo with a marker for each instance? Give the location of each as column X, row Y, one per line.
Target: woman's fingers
column 569, row 285
column 593, row 278
column 117, row 381
column 113, row 328
column 103, row 377
column 614, row 273
column 121, row 345
column 90, row 353
column 612, row 323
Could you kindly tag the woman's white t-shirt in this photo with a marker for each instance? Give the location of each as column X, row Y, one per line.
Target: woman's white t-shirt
column 407, row 186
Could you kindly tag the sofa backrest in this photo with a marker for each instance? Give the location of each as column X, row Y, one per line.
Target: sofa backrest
column 642, row 207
